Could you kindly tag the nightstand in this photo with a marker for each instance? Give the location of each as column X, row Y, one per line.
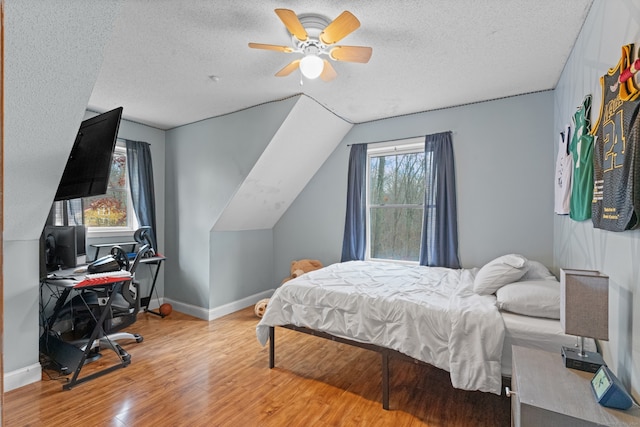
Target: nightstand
column 545, row 393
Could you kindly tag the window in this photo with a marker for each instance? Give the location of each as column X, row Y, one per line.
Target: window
column 395, row 201
column 111, row 212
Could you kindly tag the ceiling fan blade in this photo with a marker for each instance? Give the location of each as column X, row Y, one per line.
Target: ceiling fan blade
column 339, row 28
column 351, row 53
column 285, row 49
column 291, row 21
column 289, row 68
column 328, row 72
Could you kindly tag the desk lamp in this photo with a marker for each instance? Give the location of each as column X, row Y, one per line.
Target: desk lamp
column 584, row 312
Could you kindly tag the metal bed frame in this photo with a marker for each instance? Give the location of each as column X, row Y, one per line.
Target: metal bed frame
column 386, row 353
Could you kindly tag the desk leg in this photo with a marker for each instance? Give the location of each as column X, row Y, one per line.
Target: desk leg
column 56, row 309
column 97, row 333
column 147, row 300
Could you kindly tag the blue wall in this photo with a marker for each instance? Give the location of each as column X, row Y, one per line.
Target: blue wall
column 609, row 26
column 504, row 171
column 206, row 163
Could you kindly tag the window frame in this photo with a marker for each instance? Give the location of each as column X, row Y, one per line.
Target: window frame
column 404, row 146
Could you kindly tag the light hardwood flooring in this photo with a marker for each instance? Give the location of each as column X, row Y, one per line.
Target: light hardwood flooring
column 189, row 372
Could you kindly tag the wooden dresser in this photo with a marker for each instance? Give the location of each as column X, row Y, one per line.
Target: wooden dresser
column 544, row 393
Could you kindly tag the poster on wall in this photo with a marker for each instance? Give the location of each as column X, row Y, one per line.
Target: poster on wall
column 616, row 193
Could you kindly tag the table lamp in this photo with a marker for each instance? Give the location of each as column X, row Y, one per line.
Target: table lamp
column 584, row 312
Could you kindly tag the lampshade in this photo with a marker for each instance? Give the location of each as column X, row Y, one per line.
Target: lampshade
column 584, row 303
column 311, row 66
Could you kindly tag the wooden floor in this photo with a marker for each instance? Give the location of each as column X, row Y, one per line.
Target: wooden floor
column 188, row 372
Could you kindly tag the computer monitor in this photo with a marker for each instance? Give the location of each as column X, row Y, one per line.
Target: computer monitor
column 43, row 257
column 60, row 247
column 81, row 244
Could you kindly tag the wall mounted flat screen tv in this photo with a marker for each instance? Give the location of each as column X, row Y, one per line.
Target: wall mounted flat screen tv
column 89, row 165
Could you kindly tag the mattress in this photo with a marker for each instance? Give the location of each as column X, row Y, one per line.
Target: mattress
column 428, row 313
column 535, row 332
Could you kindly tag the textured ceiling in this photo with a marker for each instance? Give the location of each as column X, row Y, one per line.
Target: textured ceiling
column 427, row 54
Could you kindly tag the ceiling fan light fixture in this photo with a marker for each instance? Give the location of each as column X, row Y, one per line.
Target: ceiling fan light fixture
column 313, row 36
column 311, row 66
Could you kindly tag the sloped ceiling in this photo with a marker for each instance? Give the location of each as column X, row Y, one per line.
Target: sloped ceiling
column 293, row 156
column 427, row 54
column 53, row 53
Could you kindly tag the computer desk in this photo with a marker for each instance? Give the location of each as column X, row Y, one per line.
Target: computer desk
column 69, row 282
column 156, row 260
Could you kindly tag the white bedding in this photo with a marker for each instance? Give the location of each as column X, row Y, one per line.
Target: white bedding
column 535, row 332
column 428, row 313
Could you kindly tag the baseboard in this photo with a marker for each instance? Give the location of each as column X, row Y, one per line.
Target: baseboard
column 216, row 312
column 23, row 376
column 154, row 304
column 234, row 306
column 191, row 310
column 33, row 373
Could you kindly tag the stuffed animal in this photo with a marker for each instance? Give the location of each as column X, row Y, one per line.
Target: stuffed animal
column 261, row 307
column 302, row 266
column 297, row 268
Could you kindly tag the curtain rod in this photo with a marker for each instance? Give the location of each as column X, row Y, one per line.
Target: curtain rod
column 402, row 139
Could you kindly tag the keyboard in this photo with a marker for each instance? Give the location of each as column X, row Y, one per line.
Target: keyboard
column 118, row 273
column 98, row 279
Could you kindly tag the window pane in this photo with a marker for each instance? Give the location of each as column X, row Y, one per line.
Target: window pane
column 395, row 233
column 110, row 209
column 397, row 179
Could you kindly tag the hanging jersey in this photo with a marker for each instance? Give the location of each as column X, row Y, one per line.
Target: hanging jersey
column 582, row 155
column 564, row 170
column 616, row 197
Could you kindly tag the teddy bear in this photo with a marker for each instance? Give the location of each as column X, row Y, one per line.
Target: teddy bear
column 297, row 269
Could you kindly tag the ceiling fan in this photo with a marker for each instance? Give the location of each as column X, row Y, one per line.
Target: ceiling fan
column 314, row 36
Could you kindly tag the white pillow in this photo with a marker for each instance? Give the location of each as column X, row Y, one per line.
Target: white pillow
column 536, row 270
column 499, row 272
column 538, row 298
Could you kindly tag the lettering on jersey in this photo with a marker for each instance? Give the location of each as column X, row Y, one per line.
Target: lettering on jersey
column 597, row 190
column 613, row 141
column 612, row 107
column 610, row 213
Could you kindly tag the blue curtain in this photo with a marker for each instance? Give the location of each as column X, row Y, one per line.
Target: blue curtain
column 353, row 244
column 141, row 183
column 440, row 222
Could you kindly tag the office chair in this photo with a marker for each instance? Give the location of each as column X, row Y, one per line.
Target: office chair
column 83, row 310
column 126, row 304
column 143, row 236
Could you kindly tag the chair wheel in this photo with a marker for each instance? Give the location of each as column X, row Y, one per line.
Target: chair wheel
column 139, row 338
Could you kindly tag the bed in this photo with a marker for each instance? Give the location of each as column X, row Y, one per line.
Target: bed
column 448, row 318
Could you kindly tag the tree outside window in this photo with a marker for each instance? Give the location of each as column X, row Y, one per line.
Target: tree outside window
column 395, row 199
column 110, row 209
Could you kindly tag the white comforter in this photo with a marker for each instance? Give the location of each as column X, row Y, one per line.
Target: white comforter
column 428, row 313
